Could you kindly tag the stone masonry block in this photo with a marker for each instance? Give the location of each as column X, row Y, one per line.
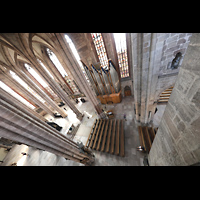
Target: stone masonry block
column 170, row 125
column 189, row 158
column 172, row 44
column 171, row 39
column 196, row 153
column 193, row 89
column 182, row 35
column 185, row 81
column 181, row 126
column 196, row 99
column 172, row 49
column 195, row 126
column 182, row 40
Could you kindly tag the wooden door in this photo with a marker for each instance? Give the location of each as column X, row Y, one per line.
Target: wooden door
column 127, row 91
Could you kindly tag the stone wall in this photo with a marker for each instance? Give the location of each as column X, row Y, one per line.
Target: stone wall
column 172, row 44
column 177, row 141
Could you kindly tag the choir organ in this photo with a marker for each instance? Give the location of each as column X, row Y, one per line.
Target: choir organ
column 105, row 81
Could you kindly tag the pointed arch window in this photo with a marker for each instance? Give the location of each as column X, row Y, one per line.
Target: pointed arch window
column 100, row 48
column 62, row 71
column 120, row 42
column 39, row 79
column 20, row 81
column 47, row 87
column 76, row 55
column 17, row 96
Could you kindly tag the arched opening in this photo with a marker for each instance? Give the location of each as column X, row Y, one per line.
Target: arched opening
column 76, row 55
column 127, row 91
column 62, row 71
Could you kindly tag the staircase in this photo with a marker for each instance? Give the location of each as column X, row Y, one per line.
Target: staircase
column 107, row 135
column 164, row 97
column 146, row 136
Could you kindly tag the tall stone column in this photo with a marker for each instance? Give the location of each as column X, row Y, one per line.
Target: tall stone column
column 7, row 79
column 21, row 126
column 57, row 88
column 19, row 105
column 177, row 140
column 15, row 66
column 41, row 93
column 146, row 57
column 74, row 68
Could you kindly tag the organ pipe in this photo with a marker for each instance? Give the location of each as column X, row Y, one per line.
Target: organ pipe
column 104, row 81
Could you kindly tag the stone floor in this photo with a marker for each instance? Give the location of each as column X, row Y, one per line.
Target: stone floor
column 42, row 158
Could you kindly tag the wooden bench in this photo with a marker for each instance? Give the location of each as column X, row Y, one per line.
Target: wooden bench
column 113, row 138
column 94, row 145
column 117, row 138
column 91, row 132
column 104, row 136
column 100, row 136
column 147, row 138
column 109, row 136
column 141, row 137
column 122, row 139
column 151, row 133
column 94, row 133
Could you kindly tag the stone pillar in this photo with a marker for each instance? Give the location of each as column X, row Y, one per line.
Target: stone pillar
column 75, row 70
column 19, row 69
column 41, row 93
column 19, row 105
column 110, row 47
column 21, row 126
column 56, row 87
column 177, row 140
column 146, row 58
column 10, row 81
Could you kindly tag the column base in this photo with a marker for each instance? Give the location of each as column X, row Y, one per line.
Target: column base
column 80, row 117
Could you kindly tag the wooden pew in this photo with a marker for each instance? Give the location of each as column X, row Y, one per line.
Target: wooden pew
column 109, row 136
column 117, row 138
column 104, row 136
column 100, row 136
column 151, row 133
column 113, row 138
column 141, row 137
column 122, row 139
column 94, row 145
column 94, row 133
column 146, row 138
column 91, row 132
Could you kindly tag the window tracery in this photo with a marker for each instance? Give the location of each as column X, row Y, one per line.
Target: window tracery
column 100, row 48
column 76, row 55
column 120, row 41
column 47, row 87
column 62, row 71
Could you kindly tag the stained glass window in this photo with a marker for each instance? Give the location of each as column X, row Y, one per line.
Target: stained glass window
column 120, row 41
column 62, row 71
column 14, row 94
column 101, row 51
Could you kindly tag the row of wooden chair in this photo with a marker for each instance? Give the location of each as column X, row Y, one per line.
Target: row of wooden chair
column 107, row 135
